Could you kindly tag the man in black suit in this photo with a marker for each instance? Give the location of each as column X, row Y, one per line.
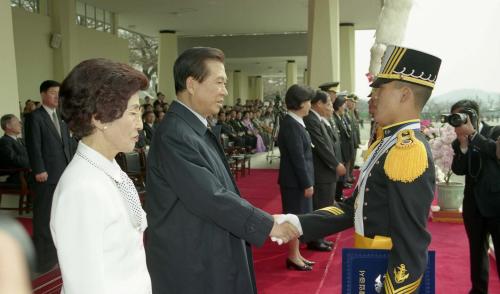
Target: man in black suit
column 327, row 164
column 229, row 131
column 13, row 153
column 352, row 117
column 475, row 157
column 346, row 143
column 149, row 126
column 199, row 226
column 50, row 148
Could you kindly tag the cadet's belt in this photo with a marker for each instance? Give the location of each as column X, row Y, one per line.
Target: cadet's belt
column 379, row 242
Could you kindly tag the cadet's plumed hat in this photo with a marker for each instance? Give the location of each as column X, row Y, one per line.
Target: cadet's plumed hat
column 407, row 65
column 331, row 86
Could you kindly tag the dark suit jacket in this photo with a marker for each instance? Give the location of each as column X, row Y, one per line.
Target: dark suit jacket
column 482, row 191
column 335, row 135
column 324, row 158
column 354, row 124
column 13, row 154
column 296, row 162
column 47, row 151
column 346, row 144
column 149, row 132
column 198, row 223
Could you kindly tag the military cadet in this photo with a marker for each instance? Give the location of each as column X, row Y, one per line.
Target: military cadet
column 352, row 117
column 396, row 186
column 332, row 88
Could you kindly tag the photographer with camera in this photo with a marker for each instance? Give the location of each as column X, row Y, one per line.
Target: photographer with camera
column 475, row 157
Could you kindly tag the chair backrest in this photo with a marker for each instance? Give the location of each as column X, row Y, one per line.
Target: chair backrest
column 133, row 162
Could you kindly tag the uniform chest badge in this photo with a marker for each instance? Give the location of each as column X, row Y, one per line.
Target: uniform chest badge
column 401, row 274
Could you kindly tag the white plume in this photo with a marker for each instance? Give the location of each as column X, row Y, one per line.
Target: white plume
column 391, row 28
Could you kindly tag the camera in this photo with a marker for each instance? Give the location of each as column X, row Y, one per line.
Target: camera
column 454, row 119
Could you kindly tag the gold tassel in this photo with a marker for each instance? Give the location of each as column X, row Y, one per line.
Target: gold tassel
column 407, row 159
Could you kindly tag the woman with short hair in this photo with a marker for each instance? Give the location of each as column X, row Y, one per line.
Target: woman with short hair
column 296, row 173
column 97, row 222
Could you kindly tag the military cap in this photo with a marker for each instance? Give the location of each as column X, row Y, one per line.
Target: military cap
column 340, row 100
column 352, row 97
column 407, row 65
column 331, row 86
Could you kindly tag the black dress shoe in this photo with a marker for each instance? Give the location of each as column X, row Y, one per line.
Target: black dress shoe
column 319, row 247
column 293, row 266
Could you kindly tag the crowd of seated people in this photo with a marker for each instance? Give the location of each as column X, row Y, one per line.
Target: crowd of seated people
column 248, row 126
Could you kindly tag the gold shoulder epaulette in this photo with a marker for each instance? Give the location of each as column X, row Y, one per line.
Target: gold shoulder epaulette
column 407, row 159
column 333, row 210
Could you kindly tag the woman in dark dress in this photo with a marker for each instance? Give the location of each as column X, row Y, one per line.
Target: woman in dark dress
column 296, row 174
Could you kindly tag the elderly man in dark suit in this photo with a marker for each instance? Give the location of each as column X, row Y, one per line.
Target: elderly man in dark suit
column 199, row 226
column 327, row 164
column 475, row 157
column 50, row 149
column 13, row 154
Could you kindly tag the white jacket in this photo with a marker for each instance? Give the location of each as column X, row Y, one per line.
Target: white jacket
column 99, row 250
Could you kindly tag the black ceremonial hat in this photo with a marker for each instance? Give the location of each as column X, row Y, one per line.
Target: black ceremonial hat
column 330, row 86
column 408, row 65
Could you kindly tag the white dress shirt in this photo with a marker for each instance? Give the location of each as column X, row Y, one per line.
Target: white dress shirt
column 297, row 118
column 99, row 250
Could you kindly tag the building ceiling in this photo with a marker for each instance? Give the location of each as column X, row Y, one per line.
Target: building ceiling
column 227, row 17
column 234, row 17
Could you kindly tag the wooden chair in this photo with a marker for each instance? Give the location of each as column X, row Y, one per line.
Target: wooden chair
column 244, row 160
column 22, row 189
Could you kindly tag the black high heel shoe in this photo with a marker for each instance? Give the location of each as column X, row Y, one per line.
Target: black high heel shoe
column 308, row 262
column 293, row 266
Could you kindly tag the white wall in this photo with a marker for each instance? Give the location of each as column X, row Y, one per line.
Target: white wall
column 34, row 57
column 93, row 44
column 9, row 102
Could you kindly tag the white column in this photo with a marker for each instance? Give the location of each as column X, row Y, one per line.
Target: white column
column 237, row 84
column 9, row 101
column 323, row 47
column 229, row 99
column 291, row 73
column 347, row 74
column 252, row 81
column 259, row 88
column 167, row 54
column 63, row 16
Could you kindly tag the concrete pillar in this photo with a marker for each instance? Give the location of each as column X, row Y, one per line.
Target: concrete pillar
column 259, row 88
column 9, row 100
column 237, row 85
column 64, row 42
column 291, row 73
column 43, row 6
column 167, row 54
column 323, row 42
column 114, row 23
column 229, row 99
column 347, row 53
column 252, row 90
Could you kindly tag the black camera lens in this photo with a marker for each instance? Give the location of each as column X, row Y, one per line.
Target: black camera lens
column 457, row 119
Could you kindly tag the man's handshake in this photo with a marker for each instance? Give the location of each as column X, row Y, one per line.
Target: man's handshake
column 286, row 228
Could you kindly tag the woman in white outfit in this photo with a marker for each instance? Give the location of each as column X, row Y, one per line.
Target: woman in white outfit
column 97, row 222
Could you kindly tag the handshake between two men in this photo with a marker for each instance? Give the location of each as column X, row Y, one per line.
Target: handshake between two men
column 312, row 226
